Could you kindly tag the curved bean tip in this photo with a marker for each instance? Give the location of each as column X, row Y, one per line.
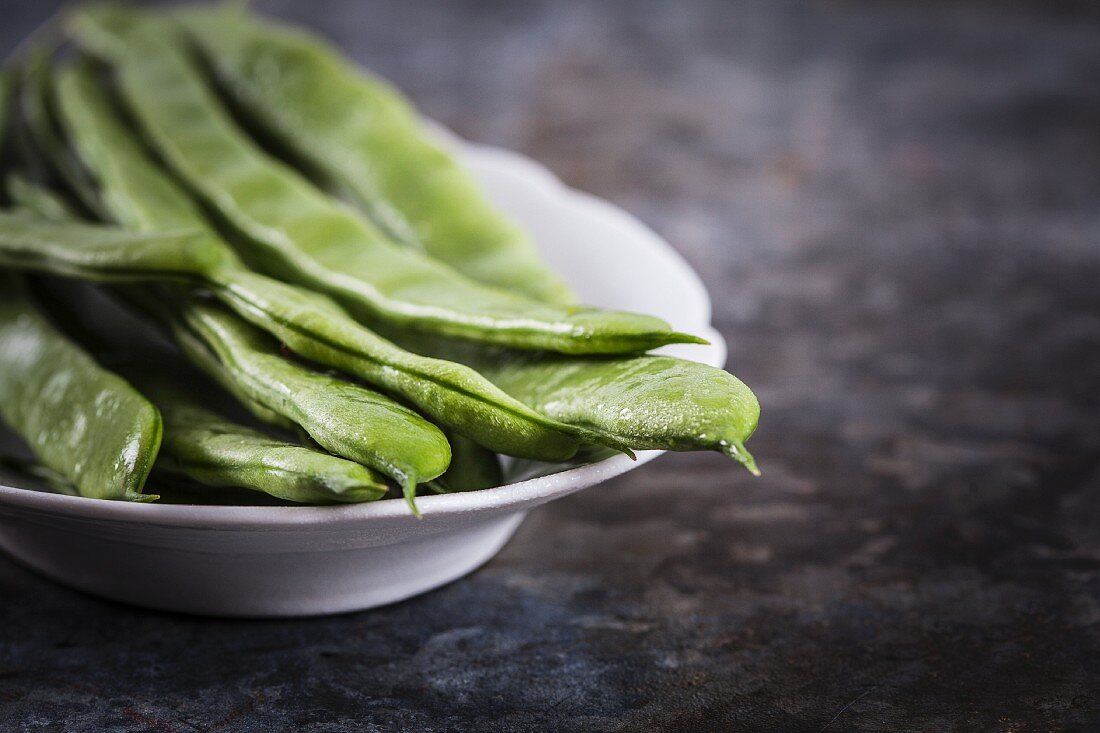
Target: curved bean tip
column 365, row 493
column 679, row 337
column 360, row 492
column 408, row 488
column 739, row 453
column 605, row 438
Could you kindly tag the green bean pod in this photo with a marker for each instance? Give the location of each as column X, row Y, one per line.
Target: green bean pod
column 80, row 420
column 450, row 394
column 135, row 191
column 344, row 418
column 215, row 451
column 40, row 124
column 107, row 253
column 40, row 201
column 290, row 229
column 647, row 402
column 361, row 135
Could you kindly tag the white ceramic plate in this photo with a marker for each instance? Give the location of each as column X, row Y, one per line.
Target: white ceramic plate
column 296, row 561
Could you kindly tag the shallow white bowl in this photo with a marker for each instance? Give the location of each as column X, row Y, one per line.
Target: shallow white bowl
column 296, row 561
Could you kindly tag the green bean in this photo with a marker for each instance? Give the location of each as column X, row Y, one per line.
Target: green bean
column 472, row 467
column 297, row 233
column 363, row 136
column 218, row 452
column 135, row 191
column 104, row 253
column 342, row 417
column 647, row 402
column 450, row 394
column 39, row 121
column 80, row 420
column 43, row 202
column 163, row 204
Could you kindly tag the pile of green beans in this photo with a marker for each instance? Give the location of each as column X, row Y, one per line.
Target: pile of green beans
column 359, row 320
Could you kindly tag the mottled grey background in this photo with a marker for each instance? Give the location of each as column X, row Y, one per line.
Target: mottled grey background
column 895, row 206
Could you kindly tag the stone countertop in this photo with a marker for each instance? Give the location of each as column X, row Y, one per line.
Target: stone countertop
column 895, row 207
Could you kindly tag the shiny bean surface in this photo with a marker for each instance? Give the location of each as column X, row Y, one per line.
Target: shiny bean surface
column 81, row 421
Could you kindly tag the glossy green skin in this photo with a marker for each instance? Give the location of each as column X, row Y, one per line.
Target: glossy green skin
column 650, row 402
column 362, row 135
column 294, row 231
column 217, row 452
column 342, row 417
column 450, row 394
column 646, row 402
column 81, row 421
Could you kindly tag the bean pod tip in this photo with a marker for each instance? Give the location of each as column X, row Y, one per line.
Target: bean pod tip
column 737, row 451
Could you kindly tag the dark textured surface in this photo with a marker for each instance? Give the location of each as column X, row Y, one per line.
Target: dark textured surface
column 895, row 206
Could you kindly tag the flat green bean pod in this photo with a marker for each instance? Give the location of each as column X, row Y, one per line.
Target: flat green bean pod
column 344, row 418
column 647, row 402
column 294, row 231
column 39, row 122
column 39, row 200
column 450, row 394
column 80, row 420
column 135, row 191
column 107, row 253
column 364, row 137
column 215, row 451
